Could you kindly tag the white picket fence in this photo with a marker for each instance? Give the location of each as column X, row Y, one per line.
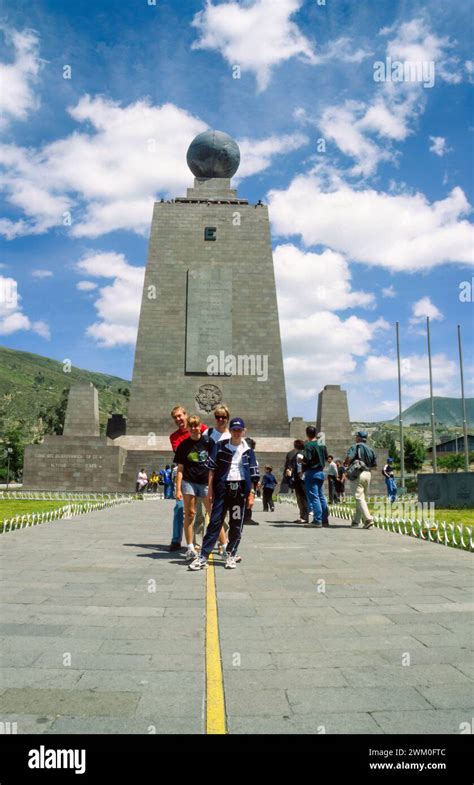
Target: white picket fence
column 68, row 511
column 444, row 533
column 59, row 495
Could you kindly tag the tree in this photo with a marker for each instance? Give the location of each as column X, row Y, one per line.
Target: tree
column 54, row 417
column 13, row 440
column 386, row 440
column 415, row 452
column 451, row 462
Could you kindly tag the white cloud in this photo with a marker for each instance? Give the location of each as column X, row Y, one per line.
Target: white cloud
column 256, row 37
column 388, row 291
column 438, row 146
column 118, row 304
column 415, row 374
column 109, row 178
column 17, row 98
column 341, row 50
column 323, row 347
column 414, row 42
column 469, row 66
column 398, row 232
column 42, row 274
column 12, row 318
column 423, row 308
column 309, row 282
column 86, row 286
column 390, row 115
column 42, row 328
column 257, row 155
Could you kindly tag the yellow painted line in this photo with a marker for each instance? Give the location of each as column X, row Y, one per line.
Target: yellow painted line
column 215, row 703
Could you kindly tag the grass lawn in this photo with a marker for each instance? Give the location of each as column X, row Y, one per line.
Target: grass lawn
column 9, row 508
column 410, row 511
column 414, row 511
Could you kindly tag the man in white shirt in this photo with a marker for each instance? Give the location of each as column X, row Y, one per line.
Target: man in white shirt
column 332, row 477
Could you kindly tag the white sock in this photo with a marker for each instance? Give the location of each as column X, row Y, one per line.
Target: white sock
column 190, row 547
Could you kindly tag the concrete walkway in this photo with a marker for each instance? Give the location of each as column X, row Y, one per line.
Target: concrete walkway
column 333, row 630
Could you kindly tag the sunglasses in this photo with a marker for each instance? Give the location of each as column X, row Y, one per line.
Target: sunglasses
column 220, row 417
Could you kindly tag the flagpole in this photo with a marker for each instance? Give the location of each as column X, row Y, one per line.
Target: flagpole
column 402, row 449
column 433, row 432
column 464, row 422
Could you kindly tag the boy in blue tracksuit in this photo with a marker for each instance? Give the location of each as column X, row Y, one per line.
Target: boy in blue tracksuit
column 233, row 475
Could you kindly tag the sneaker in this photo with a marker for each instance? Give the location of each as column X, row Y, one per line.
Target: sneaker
column 175, row 546
column 238, row 559
column 230, row 563
column 190, row 554
column 199, row 563
column 354, row 525
column 326, row 525
column 315, row 525
column 252, row 522
column 368, row 524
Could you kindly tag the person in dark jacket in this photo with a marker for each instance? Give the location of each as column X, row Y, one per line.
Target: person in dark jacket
column 294, row 474
column 233, row 476
column 315, row 456
column 269, row 483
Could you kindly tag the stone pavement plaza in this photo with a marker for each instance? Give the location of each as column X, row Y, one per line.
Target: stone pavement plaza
column 315, row 626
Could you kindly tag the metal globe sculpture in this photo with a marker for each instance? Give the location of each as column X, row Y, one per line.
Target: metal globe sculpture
column 213, row 154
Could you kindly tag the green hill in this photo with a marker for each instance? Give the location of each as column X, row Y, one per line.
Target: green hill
column 448, row 411
column 31, row 385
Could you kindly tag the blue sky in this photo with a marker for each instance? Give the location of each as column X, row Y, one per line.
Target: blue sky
column 369, row 183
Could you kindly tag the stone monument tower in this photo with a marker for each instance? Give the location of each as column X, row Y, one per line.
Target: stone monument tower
column 209, row 329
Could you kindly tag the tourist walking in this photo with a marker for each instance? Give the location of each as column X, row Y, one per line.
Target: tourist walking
column 192, row 478
column 294, row 474
column 332, row 477
column 360, row 460
column 340, row 481
column 180, row 418
column 233, row 475
column 315, row 456
column 248, row 517
column 388, row 474
column 167, row 481
column 269, row 483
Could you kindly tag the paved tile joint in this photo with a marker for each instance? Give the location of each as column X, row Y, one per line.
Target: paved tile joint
column 321, row 631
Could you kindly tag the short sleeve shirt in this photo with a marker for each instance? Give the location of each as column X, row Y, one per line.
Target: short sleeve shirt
column 193, row 456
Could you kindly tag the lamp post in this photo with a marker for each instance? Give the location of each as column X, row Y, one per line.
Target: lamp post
column 402, row 448
column 9, row 451
column 464, row 421
column 433, row 429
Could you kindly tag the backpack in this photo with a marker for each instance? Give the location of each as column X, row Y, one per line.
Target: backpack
column 356, row 468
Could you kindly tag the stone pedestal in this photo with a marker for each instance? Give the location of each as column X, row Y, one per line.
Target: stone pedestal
column 82, row 413
column 454, row 489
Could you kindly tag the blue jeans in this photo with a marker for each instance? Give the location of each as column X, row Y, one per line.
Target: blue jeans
column 391, row 488
column 168, row 491
column 314, row 482
column 178, row 521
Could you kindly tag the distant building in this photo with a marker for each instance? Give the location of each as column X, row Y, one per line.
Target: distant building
column 455, row 445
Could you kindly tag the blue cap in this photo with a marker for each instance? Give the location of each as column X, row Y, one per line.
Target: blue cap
column 389, row 460
column 236, row 422
column 362, row 434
